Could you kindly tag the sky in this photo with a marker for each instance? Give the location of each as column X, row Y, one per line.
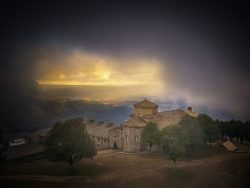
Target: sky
column 197, row 53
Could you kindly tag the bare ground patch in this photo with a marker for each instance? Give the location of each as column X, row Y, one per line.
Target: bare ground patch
column 224, row 169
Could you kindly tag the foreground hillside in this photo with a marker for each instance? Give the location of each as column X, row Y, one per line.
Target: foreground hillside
column 114, row 169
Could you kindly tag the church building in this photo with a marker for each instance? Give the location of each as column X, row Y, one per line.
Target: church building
column 127, row 137
column 144, row 112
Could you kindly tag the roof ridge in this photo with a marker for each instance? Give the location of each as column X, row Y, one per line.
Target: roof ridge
column 145, row 104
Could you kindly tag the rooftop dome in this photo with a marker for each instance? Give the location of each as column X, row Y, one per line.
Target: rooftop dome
column 145, row 104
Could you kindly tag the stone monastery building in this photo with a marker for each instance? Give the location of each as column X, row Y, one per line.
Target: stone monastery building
column 127, row 137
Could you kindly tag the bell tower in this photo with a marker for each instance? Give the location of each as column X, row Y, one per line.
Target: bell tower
column 145, row 107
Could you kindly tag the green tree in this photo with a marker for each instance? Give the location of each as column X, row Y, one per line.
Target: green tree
column 180, row 139
column 247, row 131
column 235, row 129
column 151, row 135
column 209, row 126
column 242, row 131
column 193, row 130
column 69, row 142
column 232, row 129
column 222, row 128
column 174, row 139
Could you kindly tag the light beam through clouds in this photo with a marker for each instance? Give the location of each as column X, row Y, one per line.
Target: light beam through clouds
column 78, row 68
column 180, row 54
column 111, row 78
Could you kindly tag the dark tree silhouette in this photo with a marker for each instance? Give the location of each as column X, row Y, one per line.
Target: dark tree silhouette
column 151, row 135
column 176, row 140
column 209, row 127
column 69, row 142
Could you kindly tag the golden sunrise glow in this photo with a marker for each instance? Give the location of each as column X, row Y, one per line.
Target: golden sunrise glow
column 105, row 75
column 103, row 83
column 79, row 68
column 61, row 76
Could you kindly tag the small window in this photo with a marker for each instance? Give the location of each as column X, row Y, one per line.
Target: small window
column 136, row 139
column 126, row 138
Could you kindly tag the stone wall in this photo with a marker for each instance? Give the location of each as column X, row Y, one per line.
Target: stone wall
column 132, row 139
column 100, row 133
column 145, row 111
column 166, row 118
column 115, row 136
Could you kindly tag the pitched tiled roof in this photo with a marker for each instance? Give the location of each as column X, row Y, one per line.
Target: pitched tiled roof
column 99, row 129
column 191, row 113
column 166, row 118
column 135, row 121
column 145, row 104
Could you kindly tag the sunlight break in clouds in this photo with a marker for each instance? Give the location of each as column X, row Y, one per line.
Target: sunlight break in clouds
column 81, row 69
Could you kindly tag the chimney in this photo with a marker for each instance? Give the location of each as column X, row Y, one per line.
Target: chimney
column 91, row 121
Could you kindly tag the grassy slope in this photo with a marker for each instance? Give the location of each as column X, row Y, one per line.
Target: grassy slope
column 217, row 169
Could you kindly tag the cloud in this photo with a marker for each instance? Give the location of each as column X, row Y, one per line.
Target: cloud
column 211, row 84
column 76, row 67
column 199, row 59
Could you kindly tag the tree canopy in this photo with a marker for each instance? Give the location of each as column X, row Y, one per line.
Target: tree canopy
column 151, row 135
column 177, row 139
column 235, row 129
column 193, row 132
column 209, row 127
column 69, row 142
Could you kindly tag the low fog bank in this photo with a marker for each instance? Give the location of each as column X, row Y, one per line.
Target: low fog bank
column 26, row 107
column 30, row 107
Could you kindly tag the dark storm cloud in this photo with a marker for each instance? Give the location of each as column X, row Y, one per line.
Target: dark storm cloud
column 204, row 47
